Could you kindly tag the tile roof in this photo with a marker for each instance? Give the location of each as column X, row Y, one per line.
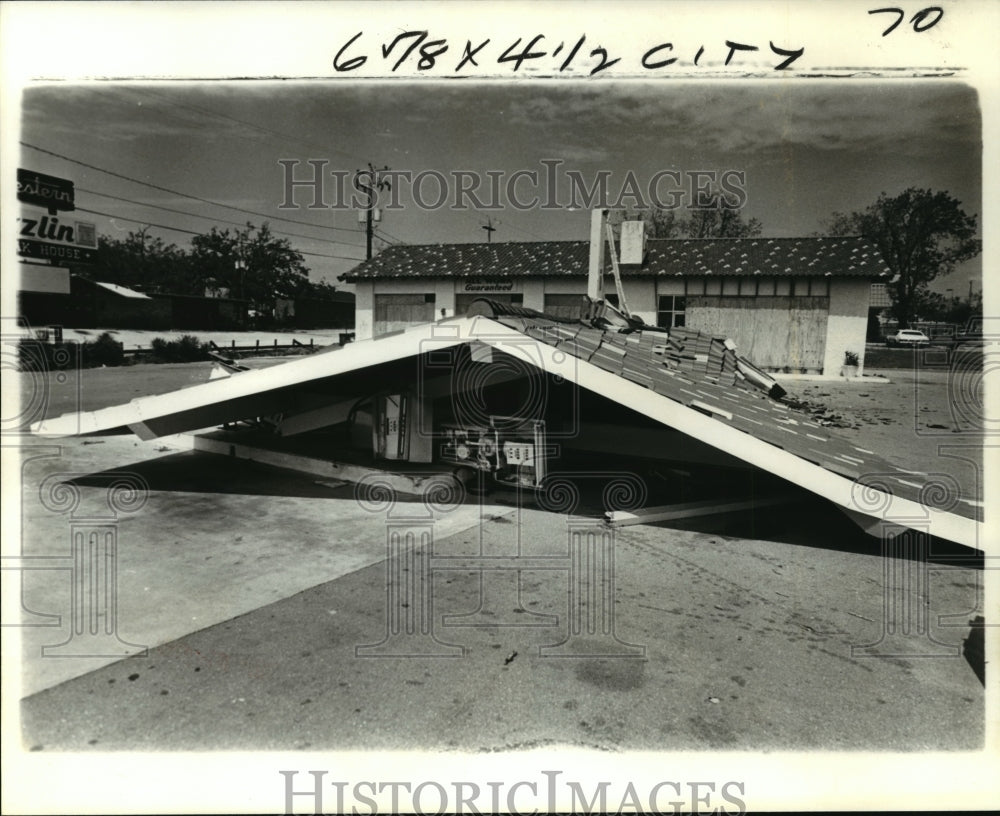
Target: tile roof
column 700, row 372
column 849, row 256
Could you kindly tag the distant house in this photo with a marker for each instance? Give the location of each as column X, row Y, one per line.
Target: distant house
column 98, row 304
column 205, row 313
column 790, row 304
column 334, row 310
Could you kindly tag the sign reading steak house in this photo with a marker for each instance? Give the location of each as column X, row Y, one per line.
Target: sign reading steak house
column 46, row 237
column 50, row 192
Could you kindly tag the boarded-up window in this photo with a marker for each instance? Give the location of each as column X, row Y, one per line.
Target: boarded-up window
column 773, row 332
column 399, row 311
column 464, row 301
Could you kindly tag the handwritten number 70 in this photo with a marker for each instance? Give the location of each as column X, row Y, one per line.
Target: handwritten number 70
column 919, row 20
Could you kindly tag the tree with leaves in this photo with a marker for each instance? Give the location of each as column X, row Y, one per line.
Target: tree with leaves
column 957, row 310
column 142, row 261
column 713, row 218
column 251, row 264
column 921, row 234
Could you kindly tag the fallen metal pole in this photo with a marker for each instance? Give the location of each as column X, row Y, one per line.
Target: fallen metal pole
column 670, row 512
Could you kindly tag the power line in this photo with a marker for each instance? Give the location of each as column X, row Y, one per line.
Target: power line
column 215, row 219
column 193, row 232
column 254, row 126
column 177, row 192
column 383, row 235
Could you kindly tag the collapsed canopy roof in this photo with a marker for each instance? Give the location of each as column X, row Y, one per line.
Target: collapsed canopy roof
column 686, row 380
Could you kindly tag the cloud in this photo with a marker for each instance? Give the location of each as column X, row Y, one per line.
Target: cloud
column 121, row 113
column 766, row 116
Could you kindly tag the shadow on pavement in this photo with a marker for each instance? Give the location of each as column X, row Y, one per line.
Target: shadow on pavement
column 805, row 520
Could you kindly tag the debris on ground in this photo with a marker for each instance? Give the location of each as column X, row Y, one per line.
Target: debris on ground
column 820, row 414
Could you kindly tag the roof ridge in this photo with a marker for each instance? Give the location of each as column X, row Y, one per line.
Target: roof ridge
column 497, row 244
column 765, row 238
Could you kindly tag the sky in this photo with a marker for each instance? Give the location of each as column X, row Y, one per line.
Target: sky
column 804, row 152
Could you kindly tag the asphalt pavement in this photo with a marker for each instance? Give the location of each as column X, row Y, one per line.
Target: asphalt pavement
column 258, row 592
column 269, row 611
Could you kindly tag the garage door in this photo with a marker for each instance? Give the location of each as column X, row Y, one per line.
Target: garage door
column 395, row 312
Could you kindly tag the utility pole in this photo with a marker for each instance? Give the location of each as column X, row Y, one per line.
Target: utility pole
column 490, row 229
column 370, row 182
column 241, row 267
column 369, row 229
column 142, row 255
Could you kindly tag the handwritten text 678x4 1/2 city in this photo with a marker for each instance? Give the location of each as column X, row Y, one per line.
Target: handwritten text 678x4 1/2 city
column 417, row 49
column 552, row 56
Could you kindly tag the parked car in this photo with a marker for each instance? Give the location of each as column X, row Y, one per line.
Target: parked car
column 907, row 337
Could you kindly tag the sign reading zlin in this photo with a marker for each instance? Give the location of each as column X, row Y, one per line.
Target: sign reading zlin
column 50, row 192
column 44, row 236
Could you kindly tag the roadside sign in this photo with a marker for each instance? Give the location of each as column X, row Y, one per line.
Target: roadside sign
column 51, row 192
column 43, row 236
column 57, row 253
